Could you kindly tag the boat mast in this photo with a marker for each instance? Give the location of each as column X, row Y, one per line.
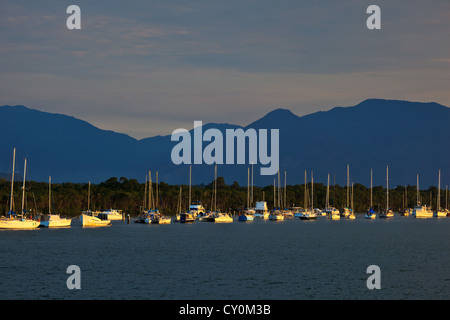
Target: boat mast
column 387, row 188
column 190, row 182
column 150, row 191
column 418, row 201
column 215, row 188
column 248, row 188
column 312, row 192
column 49, row 194
column 145, row 194
column 348, row 183
column 285, row 189
column 279, row 190
column 438, row 205
column 156, row 203
column 23, row 187
column 274, row 202
column 89, row 195
column 327, row 201
column 251, row 198
column 371, row 186
column 12, row 182
column 305, row 202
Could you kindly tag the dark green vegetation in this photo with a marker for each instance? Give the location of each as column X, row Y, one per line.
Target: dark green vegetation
column 69, row 199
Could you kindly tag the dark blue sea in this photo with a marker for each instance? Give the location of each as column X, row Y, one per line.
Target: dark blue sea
column 259, row 260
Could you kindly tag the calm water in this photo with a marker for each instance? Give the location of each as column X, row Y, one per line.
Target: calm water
column 293, row 259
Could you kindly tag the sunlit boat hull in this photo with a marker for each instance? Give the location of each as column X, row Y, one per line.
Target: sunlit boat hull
column 18, row 224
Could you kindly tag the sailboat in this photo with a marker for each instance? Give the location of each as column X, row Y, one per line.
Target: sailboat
column 275, row 214
column 248, row 214
column 52, row 220
column 370, row 214
column 309, row 214
column 13, row 221
column 158, row 217
column 188, row 216
column 217, row 216
column 346, row 211
column 387, row 213
column 439, row 211
column 88, row 219
column 406, row 211
column 152, row 203
column 352, row 216
column 331, row 212
column 421, row 211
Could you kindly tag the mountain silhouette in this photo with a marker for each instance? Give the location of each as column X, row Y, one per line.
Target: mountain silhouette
column 409, row 137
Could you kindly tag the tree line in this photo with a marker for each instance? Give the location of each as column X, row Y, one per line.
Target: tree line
column 70, row 199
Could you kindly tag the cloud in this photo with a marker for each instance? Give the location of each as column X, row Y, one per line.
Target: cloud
column 157, row 64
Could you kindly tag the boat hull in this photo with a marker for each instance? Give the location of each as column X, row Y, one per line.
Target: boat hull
column 440, row 214
column 246, row 218
column 63, row 223
column 90, row 221
column 276, row 217
column 308, row 218
column 223, row 218
column 187, row 218
column 18, row 224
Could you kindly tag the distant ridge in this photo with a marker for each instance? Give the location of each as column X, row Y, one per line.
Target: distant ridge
column 409, row 137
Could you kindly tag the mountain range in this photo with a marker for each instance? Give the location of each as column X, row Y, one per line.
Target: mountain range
column 409, row 137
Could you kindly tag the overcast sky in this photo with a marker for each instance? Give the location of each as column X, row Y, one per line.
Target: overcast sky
column 148, row 67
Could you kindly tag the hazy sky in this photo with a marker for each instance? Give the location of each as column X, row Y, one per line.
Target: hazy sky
column 148, row 67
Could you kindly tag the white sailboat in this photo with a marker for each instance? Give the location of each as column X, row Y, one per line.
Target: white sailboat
column 308, row 213
column 249, row 213
column 217, row 216
column 421, row 211
column 189, row 215
column 88, row 219
column 275, row 214
column 352, row 216
column 52, row 220
column 158, row 217
column 331, row 212
column 13, row 221
column 439, row 211
column 370, row 214
column 346, row 211
column 387, row 213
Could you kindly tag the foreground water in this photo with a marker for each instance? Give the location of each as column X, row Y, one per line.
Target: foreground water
column 286, row 260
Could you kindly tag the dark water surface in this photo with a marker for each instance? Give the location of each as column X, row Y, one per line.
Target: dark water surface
column 286, row 260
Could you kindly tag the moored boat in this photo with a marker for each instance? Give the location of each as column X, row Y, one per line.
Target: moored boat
column 12, row 220
column 421, row 211
column 261, row 210
column 220, row 217
column 52, row 220
column 113, row 214
column 88, row 219
column 276, row 215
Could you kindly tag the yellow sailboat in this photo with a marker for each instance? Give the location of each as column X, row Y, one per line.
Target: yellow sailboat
column 88, row 219
column 13, row 221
